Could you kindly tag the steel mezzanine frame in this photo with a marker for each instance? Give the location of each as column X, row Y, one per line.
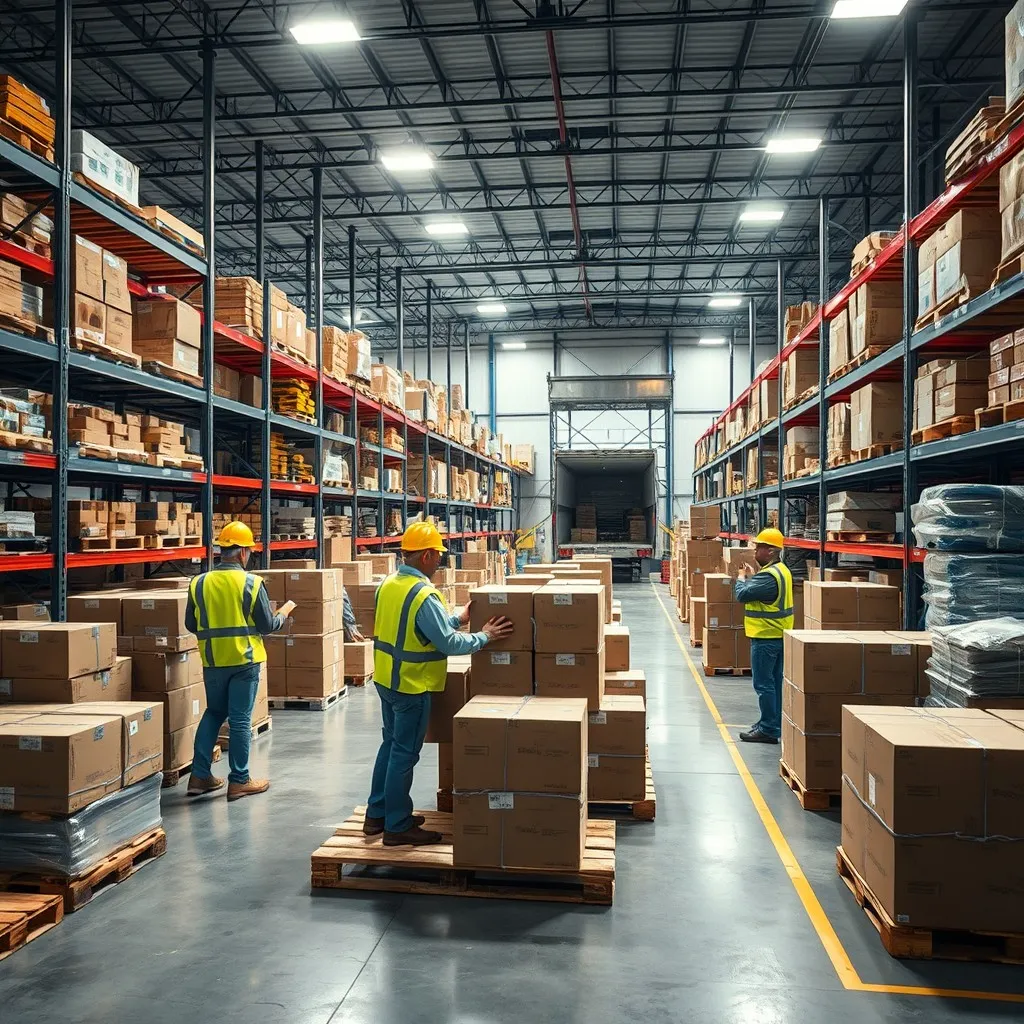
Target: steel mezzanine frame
column 78, row 209
column 968, row 329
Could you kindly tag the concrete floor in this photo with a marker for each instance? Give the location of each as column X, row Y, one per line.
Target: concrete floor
column 707, row 927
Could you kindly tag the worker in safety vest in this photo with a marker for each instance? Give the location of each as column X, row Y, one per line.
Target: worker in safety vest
column 415, row 636
column 229, row 612
column 767, row 595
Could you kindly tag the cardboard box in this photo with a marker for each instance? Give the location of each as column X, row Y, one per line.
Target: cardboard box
column 514, row 603
column 879, row 316
column 179, row 748
column 445, row 767
column 846, row 606
column 721, row 649
column 959, row 400
column 569, row 618
column 87, row 269
column 90, row 319
column 58, row 650
column 1015, row 54
column 497, row 673
column 316, row 652
column 313, row 586
column 814, row 759
column 571, row 675
column 876, row 415
column 167, row 320
column 142, row 738
column 310, row 683
column 628, row 683
column 111, row 684
column 839, row 341
column 315, row 618
column 183, row 708
column 57, row 764
column 451, row 700
column 30, row 611
column 337, row 550
column 162, row 672
column 616, row 648
column 159, row 615
column 115, row 285
column 359, row 659
column 617, row 745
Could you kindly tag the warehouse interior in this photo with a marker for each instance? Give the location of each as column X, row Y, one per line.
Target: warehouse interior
column 602, row 293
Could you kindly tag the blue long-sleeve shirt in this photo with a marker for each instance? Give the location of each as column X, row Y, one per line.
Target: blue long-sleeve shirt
column 762, row 587
column 436, row 627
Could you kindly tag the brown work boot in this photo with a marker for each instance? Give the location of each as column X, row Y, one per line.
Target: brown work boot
column 198, row 786
column 374, row 826
column 414, row 836
column 236, row 790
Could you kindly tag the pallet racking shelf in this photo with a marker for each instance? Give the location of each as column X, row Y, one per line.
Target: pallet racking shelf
column 224, row 423
column 978, row 454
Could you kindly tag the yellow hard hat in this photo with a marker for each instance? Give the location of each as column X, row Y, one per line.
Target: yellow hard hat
column 771, row 537
column 236, row 535
column 422, row 537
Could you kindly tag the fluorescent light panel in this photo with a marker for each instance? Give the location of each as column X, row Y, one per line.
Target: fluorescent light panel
column 446, row 228
column 726, row 302
column 492, row 308
column 788, row 144
column 868, row 8
column 325, row 32
column 406, row 159
column 762, row 213
column 711, row 341
column 514, row 346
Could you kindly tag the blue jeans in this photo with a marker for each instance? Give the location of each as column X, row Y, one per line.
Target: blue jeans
column 405, row 724
column 230, row 694
column 766, row 666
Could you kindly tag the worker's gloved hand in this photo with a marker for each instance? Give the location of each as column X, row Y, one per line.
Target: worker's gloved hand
column 286, row 609
column 464, row 613
column 497, row 628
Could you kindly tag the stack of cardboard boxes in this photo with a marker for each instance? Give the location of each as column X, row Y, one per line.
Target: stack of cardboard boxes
column 306, row 660
column 847, row 605
column 947, row 388
column 931, row 814
column 863, row 512
column 799, row 373
column 724, row 642
column 1006, row 370
column 825, row 670
column 839, row 434
column 101, row 304
column 801, row 452
column 246, row 388
column 876, row 417
column 167, row 331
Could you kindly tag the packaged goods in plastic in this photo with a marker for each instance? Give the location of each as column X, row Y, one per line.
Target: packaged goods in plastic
column 961, row 588
column 73, row 844
column 970, row 517
column 975, row 661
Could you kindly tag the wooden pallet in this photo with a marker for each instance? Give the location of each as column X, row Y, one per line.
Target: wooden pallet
column 25, row 916
column 709, row 672
column 859, row 360
column 839, row 459
column 952, row 427
column 809, row 393
column 944, row 308
column 172, row 776
column 81, row 179
column 640, row 810
column 292, row 536
column 307, row 703
column 155, row 540
column 907, row 943
column 25, row 442
column 77, row 892
column 995, row 415
column 810, row 799
column 866, row 537
column 1007, row 269
column 110, row 543
column 285, row 350
column 444, row 800
column 357, row 680
column 258, row 729
column 875, row 451
column 350, row 860
column 25, row 140
column 19, row 325
column 158, row 369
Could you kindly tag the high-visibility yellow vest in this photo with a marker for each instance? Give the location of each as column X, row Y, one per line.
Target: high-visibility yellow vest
column 401, row 660
column 225, row 601
column 768, row 621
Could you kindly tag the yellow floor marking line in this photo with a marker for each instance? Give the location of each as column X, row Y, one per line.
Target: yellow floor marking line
column 844, row 968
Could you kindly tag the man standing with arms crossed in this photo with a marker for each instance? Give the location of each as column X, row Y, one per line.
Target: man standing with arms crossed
column 415, row 636
column 767, row 595
column 229, row 612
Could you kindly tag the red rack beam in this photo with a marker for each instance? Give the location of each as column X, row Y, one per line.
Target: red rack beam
column 133, row 557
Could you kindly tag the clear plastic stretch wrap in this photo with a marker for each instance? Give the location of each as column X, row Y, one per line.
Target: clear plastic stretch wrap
column 970, row 517
column 977, row 659
column 72, row 845
column 961, row 588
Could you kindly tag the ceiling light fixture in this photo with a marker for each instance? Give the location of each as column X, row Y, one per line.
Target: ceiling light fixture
column 446, row 228
column 711, row 341
column 362, row 317
column 761, row 213
column 325, row 32
column 408, row 159
column 782, row 145
column 492, row 308
column 868, row 8
column 726, row 302
column 514, row 346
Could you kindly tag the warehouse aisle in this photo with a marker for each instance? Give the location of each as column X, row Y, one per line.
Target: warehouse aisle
column 706, row 927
